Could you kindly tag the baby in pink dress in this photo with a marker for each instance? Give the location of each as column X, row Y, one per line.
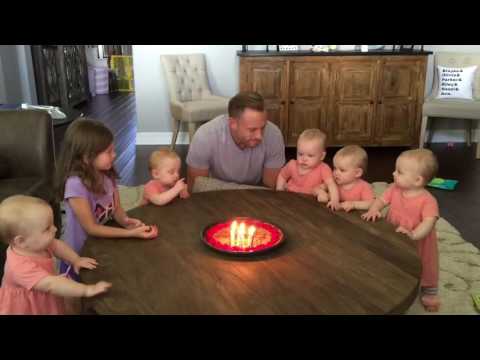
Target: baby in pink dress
column 350, row 164
column 414, row 211
column 30, row 285
column 166, row 185
column 308, row 174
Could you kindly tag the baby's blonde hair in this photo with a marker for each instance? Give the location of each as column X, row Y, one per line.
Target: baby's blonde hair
column 16, row 215
column 357, row 154
column 426, row 161
column 314, row 134
column 158, row 156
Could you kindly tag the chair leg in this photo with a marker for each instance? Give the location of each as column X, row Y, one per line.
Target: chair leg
column 192, row 127
column 423, row 130
column 176, row 129
column 468, row 132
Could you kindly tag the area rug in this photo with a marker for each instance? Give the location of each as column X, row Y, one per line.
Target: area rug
column 459, row 261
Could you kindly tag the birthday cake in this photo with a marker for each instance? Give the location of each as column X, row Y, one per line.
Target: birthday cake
column 265, row 237
column 261, row 237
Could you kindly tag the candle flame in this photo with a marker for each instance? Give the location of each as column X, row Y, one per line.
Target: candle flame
column 241, row 237
column 251, row 234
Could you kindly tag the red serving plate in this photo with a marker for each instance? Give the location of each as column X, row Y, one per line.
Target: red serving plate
column 267, row 237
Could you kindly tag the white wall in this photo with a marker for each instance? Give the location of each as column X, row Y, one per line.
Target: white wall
column 150, row 83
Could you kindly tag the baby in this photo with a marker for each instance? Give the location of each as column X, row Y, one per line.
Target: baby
column 350, row 164
column 414, row 212
column 31, row 285
column 309, row 174
column 164, row 166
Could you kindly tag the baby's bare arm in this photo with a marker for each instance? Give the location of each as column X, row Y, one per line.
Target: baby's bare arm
column 281, row 183
column 63, row 286
column 424, row 228
column 373, row 212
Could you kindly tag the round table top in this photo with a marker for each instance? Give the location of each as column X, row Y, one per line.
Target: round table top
column 330, row 263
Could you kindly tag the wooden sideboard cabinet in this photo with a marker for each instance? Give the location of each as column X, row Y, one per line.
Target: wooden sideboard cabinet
column 372, row 99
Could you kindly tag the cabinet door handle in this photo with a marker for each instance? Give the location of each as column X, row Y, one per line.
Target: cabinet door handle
column 282, row 102
column 371, row 102
column 379, row 103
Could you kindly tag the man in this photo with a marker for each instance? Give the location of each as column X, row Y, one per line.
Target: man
column 242, row 147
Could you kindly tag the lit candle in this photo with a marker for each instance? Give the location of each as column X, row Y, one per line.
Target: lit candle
column 251, row 234
column 241, row 234
column 233, row 231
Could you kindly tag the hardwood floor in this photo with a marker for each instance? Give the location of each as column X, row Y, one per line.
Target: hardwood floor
column 459, row 207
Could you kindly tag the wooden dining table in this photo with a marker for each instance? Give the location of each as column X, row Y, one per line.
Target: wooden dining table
column 330, row 262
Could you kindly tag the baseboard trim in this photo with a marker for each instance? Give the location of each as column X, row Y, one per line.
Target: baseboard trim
column 453, row 136
column 161, row 138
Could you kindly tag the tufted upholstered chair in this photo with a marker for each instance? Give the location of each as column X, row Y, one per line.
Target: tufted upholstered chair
column 467, row 110
column 191, row 99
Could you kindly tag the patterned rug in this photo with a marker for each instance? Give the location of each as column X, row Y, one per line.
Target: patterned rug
column 459, row 261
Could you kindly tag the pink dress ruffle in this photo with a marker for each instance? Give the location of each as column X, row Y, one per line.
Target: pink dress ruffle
column 21, row 301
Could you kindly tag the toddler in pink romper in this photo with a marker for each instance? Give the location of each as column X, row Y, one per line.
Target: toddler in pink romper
column 306, row 183
column 350, row 163
column 409, row 212
column 414, row 211
column 22, row 273
column 308, row 174
column 30, row 284
column 166, row 185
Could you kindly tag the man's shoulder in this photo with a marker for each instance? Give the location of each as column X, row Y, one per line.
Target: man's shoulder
column 272, row 134
column 273, row 128
column 213, row 127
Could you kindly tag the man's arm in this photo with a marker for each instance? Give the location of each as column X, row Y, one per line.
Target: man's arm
column 192, row 173
column 270, row 177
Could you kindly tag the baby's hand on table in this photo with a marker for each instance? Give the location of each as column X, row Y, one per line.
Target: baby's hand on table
column 333, row 205
column 403, row 230
column 85, row 263
column 347, row 205
column 184, row 194
column 98, row 288
column 371, row 216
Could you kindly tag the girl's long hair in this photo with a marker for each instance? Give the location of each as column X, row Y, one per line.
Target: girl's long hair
column 84, row 139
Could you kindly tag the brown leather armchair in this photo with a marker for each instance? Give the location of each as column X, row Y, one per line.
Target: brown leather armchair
column 27, row 159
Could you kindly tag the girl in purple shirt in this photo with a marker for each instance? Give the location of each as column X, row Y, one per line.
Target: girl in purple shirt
column 86, row 182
